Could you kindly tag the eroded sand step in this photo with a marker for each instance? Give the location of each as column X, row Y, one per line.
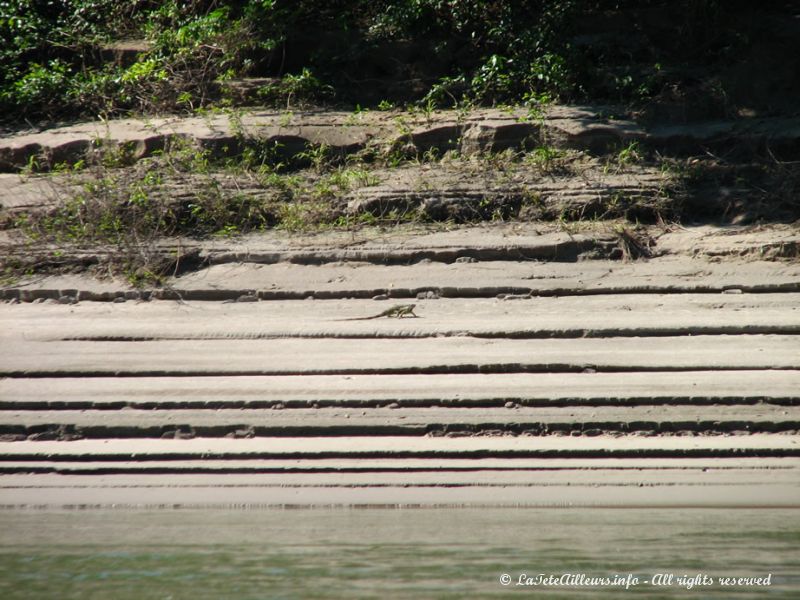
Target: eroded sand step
column 517, row 241
column 645, row 315
column 342, row 133
column 751, row 495
column 595, row 129
column 691, row 388
column 71, row 424
column 474, row 280
column 756, row 445
column 397, row 356
column 286, row 281
column 372, row 466
column 597, row 477
column 410, row 244
column 767, row 482
column 634, row 496
column 401, row 247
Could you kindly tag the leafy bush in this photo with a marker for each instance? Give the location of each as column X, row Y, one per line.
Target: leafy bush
column 437, row 52
column 51, row 58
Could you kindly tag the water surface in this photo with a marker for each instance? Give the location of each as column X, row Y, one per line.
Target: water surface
column 390, row 553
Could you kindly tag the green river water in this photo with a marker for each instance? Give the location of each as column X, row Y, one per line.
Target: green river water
column 122, row 554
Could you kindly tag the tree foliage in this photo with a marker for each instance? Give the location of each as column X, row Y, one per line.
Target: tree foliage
column 52, row 62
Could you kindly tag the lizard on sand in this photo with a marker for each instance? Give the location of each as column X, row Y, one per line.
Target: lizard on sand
column 399, row 311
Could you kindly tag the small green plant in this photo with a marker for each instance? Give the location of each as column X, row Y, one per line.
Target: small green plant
column 286, row 118
column 285, row 186
column 319, row 156
column 350, row 221
column 428, row 109
column 624, row 158
column 356, row 116
column 546, row 158
column 114, row 155
column 236, row 123
column 403, row 127
column 259, row 157
column 444, row 91
column 537, row 103
column 312, row 214
column 629, row 155
column 431, row 155
column 301, row 88
column 352, row 177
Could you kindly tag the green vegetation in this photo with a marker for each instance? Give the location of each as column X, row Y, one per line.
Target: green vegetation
column 111, row 201
column 107, row 200
column 54, row 55
column 661, row 60
column 57, row 58
column 130, row 209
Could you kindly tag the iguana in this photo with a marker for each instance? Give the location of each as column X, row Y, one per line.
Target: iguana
column 398, row 310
